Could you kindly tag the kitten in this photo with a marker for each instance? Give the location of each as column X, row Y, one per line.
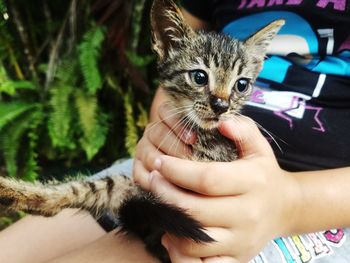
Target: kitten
column 210, row 77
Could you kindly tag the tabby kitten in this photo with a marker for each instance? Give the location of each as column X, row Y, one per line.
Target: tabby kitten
column 210, row 77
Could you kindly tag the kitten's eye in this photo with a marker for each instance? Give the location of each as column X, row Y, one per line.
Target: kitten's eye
column 242, row 85
column 199, row 77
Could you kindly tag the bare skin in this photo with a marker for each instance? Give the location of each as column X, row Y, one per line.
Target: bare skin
column 71, row 236
column 38, row 239
column 111, row 247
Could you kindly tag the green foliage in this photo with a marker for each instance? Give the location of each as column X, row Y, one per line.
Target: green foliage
column 2, row 7
column 142, row 120
column 69, row 96
column 10, row 111
column 3, row 12
column 18, row 119
column 89, row 53
column 31, row 166
column 140, row 61
column 130, row 125
column 92, row 122
column 12, row 132
column 61, row 117
column 3, row 74
column 10, row 87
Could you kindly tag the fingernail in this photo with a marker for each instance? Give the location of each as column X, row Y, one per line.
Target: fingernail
column 157, row 164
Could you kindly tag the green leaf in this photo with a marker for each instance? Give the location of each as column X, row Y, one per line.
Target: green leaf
column 11, row 139
column 93, row 123
column 2, row 7
column 10, row 111
column 3, row 13
column 114, row 84
column 67, row 71
column 136, row 23
column 3, row 73
column 10, row 87
column 31, row 165
column 42, row 68
column 89, row 55
column 131, row 137
column 142, row 119
column 139, row 61
column 61, row 117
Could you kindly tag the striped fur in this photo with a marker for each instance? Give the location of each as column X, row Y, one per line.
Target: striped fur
column 48, row 199
column 180, row 50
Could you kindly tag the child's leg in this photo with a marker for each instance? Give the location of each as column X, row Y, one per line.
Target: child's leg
column 112, row 248
column 38, row 239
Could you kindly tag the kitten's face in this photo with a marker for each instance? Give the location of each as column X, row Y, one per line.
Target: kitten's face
column 208, row 76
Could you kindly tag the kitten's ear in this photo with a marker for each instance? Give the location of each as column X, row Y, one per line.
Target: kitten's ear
column 168, row 27
column 259, row 41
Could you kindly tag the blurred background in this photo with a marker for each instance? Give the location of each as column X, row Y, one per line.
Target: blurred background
column 76, row 82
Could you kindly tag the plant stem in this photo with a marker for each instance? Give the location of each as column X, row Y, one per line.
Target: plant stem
column 136, row 24
column 24, row 38
column 14, row 62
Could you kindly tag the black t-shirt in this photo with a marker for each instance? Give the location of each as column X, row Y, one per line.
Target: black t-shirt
column 302, row 95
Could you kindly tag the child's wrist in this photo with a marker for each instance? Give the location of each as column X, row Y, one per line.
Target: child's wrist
column 293, row 196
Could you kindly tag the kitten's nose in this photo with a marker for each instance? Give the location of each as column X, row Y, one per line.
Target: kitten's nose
column 218, row 105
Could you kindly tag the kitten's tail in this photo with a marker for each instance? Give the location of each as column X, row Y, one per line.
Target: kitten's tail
column 149, row 218
column 49, row 199
column 138, row 211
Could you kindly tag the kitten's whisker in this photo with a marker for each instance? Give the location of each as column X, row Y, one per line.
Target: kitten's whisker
column 181, row 132
column 189, row 122
column 175, row 112
column 177, row 124
column 169, row 117
column 192, row 119
column 270, row 134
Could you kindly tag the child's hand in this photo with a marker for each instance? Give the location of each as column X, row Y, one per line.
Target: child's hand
column 166, row 136
column 243, row 204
